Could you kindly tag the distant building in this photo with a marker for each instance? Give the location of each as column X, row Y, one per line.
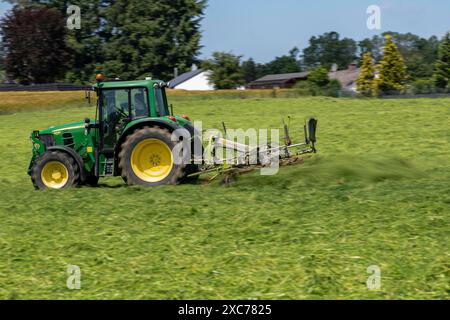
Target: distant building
column 271, row 81
column 347, row 77
column 197, row 79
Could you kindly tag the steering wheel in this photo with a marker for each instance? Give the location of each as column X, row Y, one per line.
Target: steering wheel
column 122, row 114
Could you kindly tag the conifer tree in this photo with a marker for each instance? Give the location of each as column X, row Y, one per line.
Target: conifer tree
column 365, row 81
column 442, row 67
column 392, row 74
column 151, row 38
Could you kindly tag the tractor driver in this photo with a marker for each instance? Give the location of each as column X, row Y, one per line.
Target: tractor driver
column 140, row 105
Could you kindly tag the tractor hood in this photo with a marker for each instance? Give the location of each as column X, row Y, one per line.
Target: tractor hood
column 76, row 126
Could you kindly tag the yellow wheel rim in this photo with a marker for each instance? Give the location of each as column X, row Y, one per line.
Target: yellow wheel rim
column 152, row 160
column 54, row 175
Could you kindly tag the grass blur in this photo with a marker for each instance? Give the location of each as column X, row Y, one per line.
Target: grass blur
column 377, row 193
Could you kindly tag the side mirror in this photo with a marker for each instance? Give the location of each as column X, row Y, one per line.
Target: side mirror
column 87, row 122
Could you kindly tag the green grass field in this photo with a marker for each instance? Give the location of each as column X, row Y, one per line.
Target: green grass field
column 377, row 193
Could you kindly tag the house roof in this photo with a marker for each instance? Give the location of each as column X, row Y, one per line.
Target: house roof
column 280, row 78
column 345, row 77
column 184, row 77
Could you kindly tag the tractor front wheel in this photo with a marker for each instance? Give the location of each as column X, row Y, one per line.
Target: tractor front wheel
column 54, row 170
column 147, row 158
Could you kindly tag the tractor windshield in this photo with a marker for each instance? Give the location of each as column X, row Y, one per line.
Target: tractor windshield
column 124, row 103
column 160, row 102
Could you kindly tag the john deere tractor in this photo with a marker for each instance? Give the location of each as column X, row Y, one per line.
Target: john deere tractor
column 130, row 137
column 135, row 135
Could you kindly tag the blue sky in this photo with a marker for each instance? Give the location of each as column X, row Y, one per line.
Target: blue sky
column 263, row 29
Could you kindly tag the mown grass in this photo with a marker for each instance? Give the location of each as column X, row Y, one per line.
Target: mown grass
column 377, row 193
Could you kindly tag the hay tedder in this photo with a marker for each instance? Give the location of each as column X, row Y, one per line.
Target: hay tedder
column 132, row 136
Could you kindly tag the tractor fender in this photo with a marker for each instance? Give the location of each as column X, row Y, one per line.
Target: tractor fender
column 74, row 155
column 151, row 123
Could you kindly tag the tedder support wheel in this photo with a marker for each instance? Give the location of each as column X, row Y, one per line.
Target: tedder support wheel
column 54, row 170
column 147, row 159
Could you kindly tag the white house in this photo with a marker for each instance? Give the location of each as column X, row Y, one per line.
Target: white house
column 197, row 79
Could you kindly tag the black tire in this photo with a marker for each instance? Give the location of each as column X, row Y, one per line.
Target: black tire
column 195, row 156
column 55, row 156
column 127, row 172
column 91, row 181
column 190, row 169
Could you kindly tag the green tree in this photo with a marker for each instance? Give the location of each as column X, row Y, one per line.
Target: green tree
column 418, row 53
column 226, row 72
column 131, row 39
column 319, row 76
column 284, row 64
column 442, row 67
column 2, row 61
column 372, row 45
column 328, row 49
column 85, row 43
column 319, row 84
column 249, row 70
column 151, row 38
column 392, row 74
column 34, row 44
column 365, row 81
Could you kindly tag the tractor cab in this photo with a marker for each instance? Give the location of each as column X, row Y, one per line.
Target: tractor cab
column 122, row 102
column 128, row 104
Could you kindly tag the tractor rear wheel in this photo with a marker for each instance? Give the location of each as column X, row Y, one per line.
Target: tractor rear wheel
column 147, row 158
column 54, row 170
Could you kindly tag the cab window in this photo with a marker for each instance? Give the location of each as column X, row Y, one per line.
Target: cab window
column 115, row 104
column 124, row 104
column 160, row 102
column 119, row 106
column 139, row 103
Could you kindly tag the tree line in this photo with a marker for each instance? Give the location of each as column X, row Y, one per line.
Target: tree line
column 391, row 73
column 132, row 39
column 122, row 38
column 419, row 60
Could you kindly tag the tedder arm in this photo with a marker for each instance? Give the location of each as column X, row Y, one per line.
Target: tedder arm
column 247, row 158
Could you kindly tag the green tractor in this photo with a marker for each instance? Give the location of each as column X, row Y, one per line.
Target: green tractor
column 136, row 136
column 130, row 137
